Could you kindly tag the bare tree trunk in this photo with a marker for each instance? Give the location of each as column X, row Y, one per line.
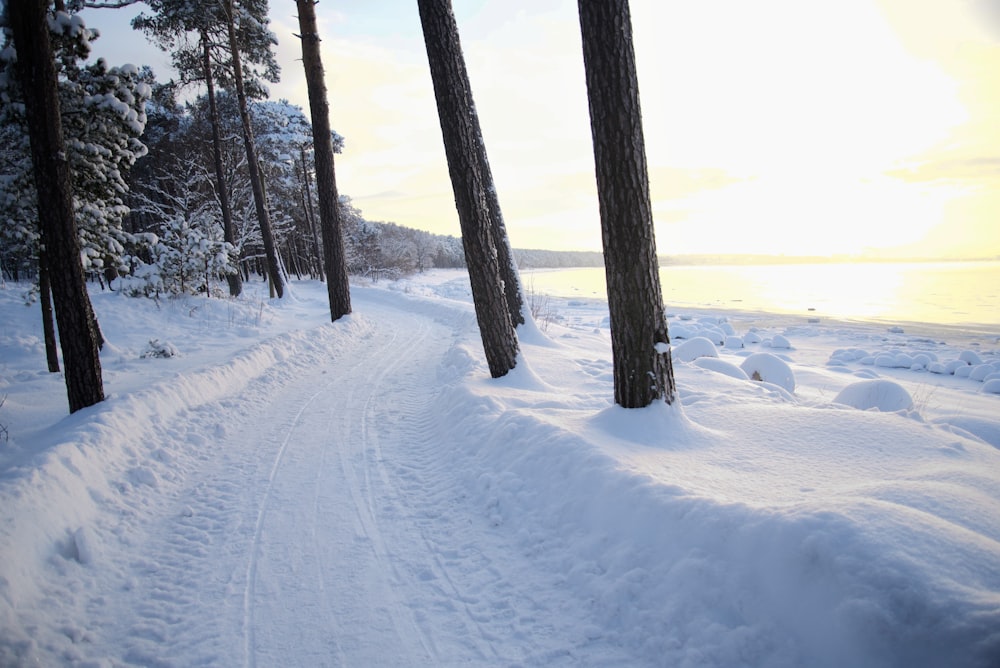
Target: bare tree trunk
column 337, row 284
column 253, row 166
column 59, row 240
column 643, row 369
column 470, row 182
column 48, row 324
column 505, row 255
column 311, row 215
column 228, row 227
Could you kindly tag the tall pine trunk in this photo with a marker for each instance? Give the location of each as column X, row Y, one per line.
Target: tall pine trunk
column 311, row 215
column 334, row 254
column 470, row 181
column 228, row 227
column 253, row 166
column 643, row 369
column 59, row 240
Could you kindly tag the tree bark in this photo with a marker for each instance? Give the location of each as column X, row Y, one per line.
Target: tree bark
column 59, row 240
column 253, row 166
column 48, row 324
column 643, row 369
column 311, row 216
column 471, row 183
column 334, row 254
column 228, row 227
column 505, row 255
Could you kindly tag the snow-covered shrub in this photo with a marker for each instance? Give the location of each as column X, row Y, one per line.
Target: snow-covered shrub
column 769, row 369
column 734, row 341
column 970, row 357
column 187, row 257
column 160, row 349
column 879, row 394
column 692, row 349
column 779, row 341
column 981, row 371
column 721, row 366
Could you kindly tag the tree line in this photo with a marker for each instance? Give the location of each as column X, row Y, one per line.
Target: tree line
column 106, row 175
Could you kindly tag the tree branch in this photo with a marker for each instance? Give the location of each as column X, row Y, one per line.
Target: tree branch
column 105, row 4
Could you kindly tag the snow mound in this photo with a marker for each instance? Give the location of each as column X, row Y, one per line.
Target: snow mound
column 781, row 342
column 880, row 394
column 692, row 349
column 770, row 369
column 721, row 366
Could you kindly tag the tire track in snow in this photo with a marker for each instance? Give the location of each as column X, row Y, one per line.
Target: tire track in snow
column 251, row 576
column 340, row 569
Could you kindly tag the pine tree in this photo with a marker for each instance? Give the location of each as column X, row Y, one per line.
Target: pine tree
column 643, row 369
column 225, row 43
column 103, row 117
column 470, row 182
column 37, row 74
column 337, row 284
column 243, row 19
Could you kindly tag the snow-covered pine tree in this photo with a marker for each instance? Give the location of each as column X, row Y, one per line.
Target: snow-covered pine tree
column 103, row 117
column 226, row 44
column 186, row 252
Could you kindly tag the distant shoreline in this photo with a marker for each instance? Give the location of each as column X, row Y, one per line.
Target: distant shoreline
column 549, row 259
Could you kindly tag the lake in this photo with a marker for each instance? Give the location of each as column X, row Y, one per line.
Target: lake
column 946, row 293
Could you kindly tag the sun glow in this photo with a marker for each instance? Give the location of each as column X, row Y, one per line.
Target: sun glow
column 778, row 126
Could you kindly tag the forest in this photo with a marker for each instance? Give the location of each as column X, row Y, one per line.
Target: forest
column 147, row 199
column 171, row 187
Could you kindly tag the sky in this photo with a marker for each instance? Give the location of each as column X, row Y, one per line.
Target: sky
column 774, row 127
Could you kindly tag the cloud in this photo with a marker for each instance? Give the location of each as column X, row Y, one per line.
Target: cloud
column 969, row 170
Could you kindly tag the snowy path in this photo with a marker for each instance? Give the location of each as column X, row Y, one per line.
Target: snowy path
column 322, row 579
column 328, row 527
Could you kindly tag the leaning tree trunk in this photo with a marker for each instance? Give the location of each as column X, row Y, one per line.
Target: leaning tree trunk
column 253, row 166
column 470, row 182
column 505, row 255
column 48, row 324
column 334, row 255
column 74, row 313
column 228, row 226
column 643, row 369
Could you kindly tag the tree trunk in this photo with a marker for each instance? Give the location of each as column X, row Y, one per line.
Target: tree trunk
column 463, row 147
column 74, row 313
column 228, row 227
column 643, row 369
column 334, row 254
column 311, row 216
column 505, row 255
column 48, row 324
column 253, row 166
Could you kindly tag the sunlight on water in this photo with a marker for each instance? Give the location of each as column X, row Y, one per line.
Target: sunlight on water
column 941, row 293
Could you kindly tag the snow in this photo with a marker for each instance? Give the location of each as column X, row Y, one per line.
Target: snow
column 876, row 393
column 769, row 368
column 282, row 490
